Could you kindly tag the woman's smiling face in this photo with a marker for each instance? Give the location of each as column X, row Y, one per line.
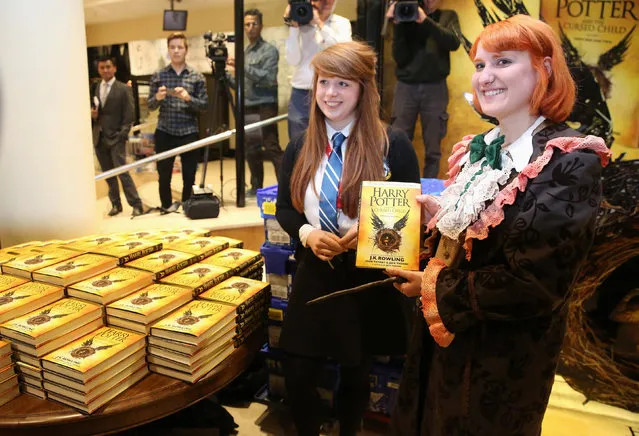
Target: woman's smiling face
column 337, row 98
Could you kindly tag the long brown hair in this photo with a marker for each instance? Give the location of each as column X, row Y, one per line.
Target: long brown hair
column 368, row 141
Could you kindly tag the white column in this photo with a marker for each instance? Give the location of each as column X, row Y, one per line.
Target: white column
column 47, row 190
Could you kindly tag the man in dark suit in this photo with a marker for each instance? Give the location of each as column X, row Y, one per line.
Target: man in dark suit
column 112, row 118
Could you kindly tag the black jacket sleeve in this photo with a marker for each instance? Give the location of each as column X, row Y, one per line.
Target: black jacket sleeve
column 402, row 158
column 289, row 218
column 545, row 241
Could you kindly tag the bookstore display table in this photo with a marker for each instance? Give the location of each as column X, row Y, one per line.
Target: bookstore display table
column 152, row 398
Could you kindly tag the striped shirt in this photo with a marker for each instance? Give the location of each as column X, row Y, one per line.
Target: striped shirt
column 178, row 117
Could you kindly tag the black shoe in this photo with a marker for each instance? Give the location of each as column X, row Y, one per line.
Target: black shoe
column 251, row 192
column 137, row 211
column 174, row 206
column 116, row 209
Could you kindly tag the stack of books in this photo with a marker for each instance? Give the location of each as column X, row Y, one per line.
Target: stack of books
column 127, row 250
column 75, row 269
column 240, row 261
column 40, row 332
column 201, row 247
column 31, row 380
column 25, row 265
column 251, row 300
column 168, row 238
column 26, row 297
column 233, row 243
column 110, row 286
column 191, row 341
column 9, row 388
column 198, row 277
column 139, row 310
column 163, row 262
column 91, row 243
column 91, row 371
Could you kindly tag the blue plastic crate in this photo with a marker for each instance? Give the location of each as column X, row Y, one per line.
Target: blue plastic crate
column 276, row 258
column 266, row 198
column 432, row 186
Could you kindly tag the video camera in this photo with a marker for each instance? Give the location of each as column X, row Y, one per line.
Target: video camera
column 215, row 46
column 406, row 11
column 301, row 11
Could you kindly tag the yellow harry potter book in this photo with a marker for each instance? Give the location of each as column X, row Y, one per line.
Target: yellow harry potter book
column 8, row 281
column 193, row 232
column 194, row 322
column 233, row 243
column 202, row 247
column 171, row 238
column 24, row 266
column 26, row 298
column 198, row 277
column 253, row 271
column 128, row 250
column 92, row 354
column 150, row 303
column 51, row 321
column 234, row 258
column 110, row 286
column 142, row 234
column 389, row 225
column 74, row 270
column 163, row 263
column 90, row 243
column 239, row 292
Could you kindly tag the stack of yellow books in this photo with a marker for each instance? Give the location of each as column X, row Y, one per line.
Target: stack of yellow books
column 39, row 332
column 239, row 260
column 163, row 262
column 233, row 243
column 168, row 238
column 7, row 281
column 27, row 297
column 31, row 380
column 198, row 277
column 91, row 371
column 139, row 310
column 110, row 286
column 250, row 299
column 90, row 243
column 191, row 341
column 201, row 247
column 25, row 265
column 9, row 388
column 193, row 232
column 75, row 269
column 128, row 249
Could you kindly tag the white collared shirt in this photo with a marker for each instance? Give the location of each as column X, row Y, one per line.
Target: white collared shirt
column 105, row 88
column 311, row 198
column 521, row 149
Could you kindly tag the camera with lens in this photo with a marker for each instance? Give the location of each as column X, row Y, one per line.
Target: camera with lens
column 301, row 11
column 406, row 11
column 215, row 46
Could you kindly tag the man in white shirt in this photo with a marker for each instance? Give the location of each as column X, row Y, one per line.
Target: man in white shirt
column 112, row 115
column 302, row 44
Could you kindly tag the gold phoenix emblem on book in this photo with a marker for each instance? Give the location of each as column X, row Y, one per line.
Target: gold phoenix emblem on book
column 240, row 287
column 171, row 238
column 164, row 257
column 8, row 298
column 104, row 281
column 189, row 319
column 234, row 254
column 38, row 259
column 201, row 243
column 87, row 349
column 101, row 241
column 69, row 266
column 130, row 245
column 201, row 272
column 385, row 238
column 144, row 299
column 44, row 317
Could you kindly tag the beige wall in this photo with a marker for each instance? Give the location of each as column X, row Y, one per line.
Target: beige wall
column 216, row 19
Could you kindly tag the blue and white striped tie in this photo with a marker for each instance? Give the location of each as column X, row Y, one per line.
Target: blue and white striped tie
column 330, row 186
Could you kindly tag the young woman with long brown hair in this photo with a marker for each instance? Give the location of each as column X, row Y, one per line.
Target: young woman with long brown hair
column 320, row 182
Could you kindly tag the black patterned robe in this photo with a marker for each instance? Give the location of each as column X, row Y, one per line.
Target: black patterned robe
column 507, row 308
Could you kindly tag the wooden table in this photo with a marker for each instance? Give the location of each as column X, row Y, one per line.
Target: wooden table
column 152, row 398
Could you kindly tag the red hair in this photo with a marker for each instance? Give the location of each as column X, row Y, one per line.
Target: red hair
column 554, row 94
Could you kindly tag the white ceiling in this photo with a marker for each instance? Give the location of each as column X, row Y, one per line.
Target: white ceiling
column 103, row 11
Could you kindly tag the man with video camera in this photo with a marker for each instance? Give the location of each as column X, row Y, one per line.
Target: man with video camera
column 424, row 36
column 308, row 36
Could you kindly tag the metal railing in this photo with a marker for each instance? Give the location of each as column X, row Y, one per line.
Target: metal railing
column 187, row 147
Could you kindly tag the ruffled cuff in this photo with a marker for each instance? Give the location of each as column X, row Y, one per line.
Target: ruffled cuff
column 438, row 331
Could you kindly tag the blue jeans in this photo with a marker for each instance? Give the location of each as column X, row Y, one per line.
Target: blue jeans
column 299, row 107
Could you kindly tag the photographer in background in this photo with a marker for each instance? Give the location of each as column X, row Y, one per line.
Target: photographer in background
column 260, row 101
column 179, row 90
column 112, row 115
column 421, row 50
column 304, row 41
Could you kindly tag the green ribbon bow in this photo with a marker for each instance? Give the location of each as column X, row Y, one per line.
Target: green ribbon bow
column 492, row 151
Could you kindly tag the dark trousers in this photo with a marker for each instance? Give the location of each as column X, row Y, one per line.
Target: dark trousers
column 302, row 376
column 263, row 144
column 113, row 157
column 299, row 109
column 429, row 101
column 165, row 142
